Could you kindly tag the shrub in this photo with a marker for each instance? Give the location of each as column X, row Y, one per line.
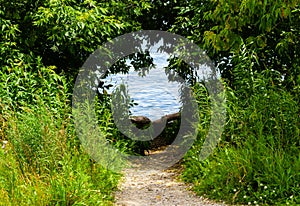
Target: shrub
column 257, row 161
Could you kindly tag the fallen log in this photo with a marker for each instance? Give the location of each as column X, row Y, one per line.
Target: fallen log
column 140, row 121
column 144, row 122
column 164, row 138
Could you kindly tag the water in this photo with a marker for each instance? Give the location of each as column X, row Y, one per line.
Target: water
column 153, row 93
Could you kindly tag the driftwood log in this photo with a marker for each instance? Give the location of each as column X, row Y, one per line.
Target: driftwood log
column 142, row 121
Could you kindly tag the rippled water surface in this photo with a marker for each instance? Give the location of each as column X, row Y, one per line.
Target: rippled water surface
column 154, row 94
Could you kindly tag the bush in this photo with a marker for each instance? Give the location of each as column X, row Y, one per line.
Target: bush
column 43, row 162
column 257, row 161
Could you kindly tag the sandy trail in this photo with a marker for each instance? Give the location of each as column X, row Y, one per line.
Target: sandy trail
column 155, row 187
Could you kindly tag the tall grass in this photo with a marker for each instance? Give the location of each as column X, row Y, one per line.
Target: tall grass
column 257, row 160
column 43, row 162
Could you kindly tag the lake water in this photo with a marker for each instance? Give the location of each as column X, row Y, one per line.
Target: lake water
column 153, row 93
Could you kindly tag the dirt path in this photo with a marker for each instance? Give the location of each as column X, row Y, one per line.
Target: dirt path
column 154, row 187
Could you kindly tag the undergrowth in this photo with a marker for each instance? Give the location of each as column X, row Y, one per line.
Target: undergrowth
column 42, row 161
column 257, row 161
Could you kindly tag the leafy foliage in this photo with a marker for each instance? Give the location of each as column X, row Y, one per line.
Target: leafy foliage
column 65, row 32
column 270, row 30
column 254, row 43
column 43, row 163
column 255, row 161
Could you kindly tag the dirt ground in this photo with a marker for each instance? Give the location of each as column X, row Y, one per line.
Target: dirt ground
column 156, row 187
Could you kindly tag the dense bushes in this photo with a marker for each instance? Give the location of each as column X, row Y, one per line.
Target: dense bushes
column 43, row 162
column 257, row 160
column 254, row 43
column 41, row 44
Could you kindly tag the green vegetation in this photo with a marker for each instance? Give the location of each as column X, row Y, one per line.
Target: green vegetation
column 43, row 162
column 42, row 46
column 256, row 47
column 257, row 160
column 254, row 43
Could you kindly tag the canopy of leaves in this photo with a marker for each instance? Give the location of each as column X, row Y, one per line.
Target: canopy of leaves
column 63, row 32
column 268, row 31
